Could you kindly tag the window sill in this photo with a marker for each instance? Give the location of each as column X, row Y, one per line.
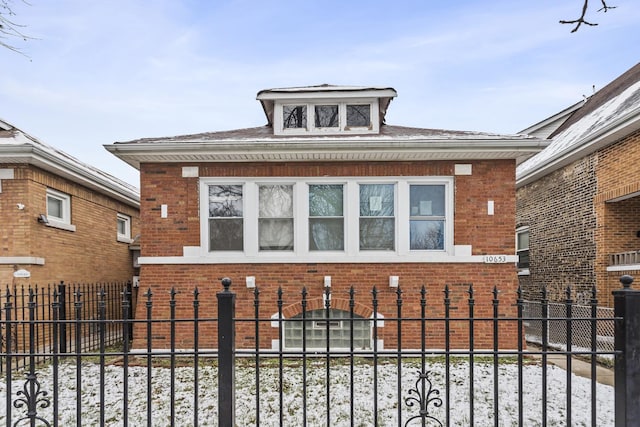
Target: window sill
column 61, row 225
column 123, row 239
column 524, row 272
column 432, row 257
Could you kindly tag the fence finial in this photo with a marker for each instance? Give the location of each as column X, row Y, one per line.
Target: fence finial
column 226, row 283
column 626, row 281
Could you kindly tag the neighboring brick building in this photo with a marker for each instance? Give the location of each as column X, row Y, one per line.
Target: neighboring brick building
column 578, row 201
column 60, row 219
column 326, row 193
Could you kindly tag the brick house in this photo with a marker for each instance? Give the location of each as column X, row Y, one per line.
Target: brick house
column 578, row 201
column 327, row 194
column 60, row 219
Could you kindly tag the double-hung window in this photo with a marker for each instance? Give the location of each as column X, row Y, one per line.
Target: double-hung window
column 226, row 223
column 275, row 221
column 328, row 219
column 377, row 220
column 427, row 217
column 522, row 247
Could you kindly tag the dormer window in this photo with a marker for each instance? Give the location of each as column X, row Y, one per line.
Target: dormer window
column 325, row 117
column 326, row 109
column 294, row 116
column 358, row 115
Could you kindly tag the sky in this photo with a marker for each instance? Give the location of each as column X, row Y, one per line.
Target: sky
column 96, row 72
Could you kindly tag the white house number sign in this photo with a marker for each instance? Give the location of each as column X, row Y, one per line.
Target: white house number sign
column 495, row 259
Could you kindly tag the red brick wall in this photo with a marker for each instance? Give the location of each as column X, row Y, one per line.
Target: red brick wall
column 491, row 180
column 558, row 209
column 293, row 277
column 574, row 226
column 488, row 234
column 89, row 254
column 618, row 175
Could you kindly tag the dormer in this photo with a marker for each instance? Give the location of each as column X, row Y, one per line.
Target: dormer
column 326, row 109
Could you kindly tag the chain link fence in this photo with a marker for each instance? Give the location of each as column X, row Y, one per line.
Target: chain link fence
column 581, row 323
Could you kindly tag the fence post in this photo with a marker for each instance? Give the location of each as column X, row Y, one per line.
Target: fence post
column 226, row 356
column 62, row 316
column 627, row 345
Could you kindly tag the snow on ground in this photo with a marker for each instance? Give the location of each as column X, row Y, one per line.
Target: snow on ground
column 339, row 389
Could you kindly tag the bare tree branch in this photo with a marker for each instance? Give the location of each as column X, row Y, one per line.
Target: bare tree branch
column 581, row 20
column 8, row 28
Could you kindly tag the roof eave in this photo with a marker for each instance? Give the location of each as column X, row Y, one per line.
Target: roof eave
column 134, row 154
column 33, row 155
column 609, row 134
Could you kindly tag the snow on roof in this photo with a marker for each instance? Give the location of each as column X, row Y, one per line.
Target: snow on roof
column 387, row 133
column 18, row 146
column 580, row 137
column 323, row 88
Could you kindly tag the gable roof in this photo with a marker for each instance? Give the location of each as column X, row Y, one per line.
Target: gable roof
column 18, row 147
column 608, row 115
column 545, row 128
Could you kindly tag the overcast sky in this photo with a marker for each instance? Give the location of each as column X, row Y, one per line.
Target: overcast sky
column 96, row 72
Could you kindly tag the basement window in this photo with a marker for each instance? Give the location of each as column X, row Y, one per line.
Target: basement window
column 312, row 332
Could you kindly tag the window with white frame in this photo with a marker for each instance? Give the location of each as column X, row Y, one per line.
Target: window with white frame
column 377, row 220
column 358, row 115
column 326, row 116
column 326, row 217
column 329, row 218
column 522, row 247
column 294, row 116
column 226, row 224
column 58, row 207
column 322, row 117
column 427, row 216
column 275, row 220
column 123, row 225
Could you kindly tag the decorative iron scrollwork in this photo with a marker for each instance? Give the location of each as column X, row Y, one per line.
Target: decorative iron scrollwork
column 424, row 396
column 33, row 398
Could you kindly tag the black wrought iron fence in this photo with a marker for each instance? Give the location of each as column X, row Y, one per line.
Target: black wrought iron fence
column 304, row 366
column 25, row 303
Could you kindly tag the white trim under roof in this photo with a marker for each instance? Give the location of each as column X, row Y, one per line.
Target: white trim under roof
column 21, row 148
column 360, row 148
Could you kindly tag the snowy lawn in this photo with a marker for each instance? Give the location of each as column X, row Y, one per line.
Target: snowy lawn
column 363, row 402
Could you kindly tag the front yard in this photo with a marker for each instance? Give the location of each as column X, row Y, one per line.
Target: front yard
column 339, row 389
